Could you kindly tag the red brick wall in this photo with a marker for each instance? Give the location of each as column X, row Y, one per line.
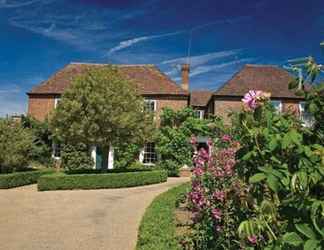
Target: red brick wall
column 224, row 106
column 39, row 106
column 175, row 103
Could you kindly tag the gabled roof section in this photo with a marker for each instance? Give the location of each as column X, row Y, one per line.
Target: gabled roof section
column 267, row 78
column 149, row 80
column 200, row 98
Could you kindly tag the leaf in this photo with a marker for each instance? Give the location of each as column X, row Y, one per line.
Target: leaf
column 293, row 84
column 306, row 230
column 292, row 239
column 273, row 183
column 311, row 244
column 257, row 178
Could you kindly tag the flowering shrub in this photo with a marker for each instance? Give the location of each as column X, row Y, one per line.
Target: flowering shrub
column 263, row 192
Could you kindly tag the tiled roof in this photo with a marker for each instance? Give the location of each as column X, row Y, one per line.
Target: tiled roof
column 267, row 78
column 149, row 80
column 200, row 98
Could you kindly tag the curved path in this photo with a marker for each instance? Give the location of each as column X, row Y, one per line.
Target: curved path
column 81, row 219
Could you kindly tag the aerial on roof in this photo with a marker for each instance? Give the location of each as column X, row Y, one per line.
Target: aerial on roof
column 267, row 78
column 149, row 80
column 200, row 98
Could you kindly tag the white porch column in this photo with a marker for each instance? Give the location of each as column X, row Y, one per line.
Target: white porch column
column 94, row 155
column 111, row 157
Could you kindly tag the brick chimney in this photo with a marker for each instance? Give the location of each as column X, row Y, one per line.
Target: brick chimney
column 185, row 70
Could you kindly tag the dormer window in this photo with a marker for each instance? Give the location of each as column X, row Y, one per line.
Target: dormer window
column 199, row 114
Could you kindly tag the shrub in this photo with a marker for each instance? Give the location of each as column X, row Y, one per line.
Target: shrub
column 76, row 157
column 21, row 178
column 172, row 167
column 63, row 181
column 15, row 146
column 157, row 229
column 41, row 150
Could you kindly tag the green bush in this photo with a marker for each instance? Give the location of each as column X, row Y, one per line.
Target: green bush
column 62, row 181
column 172, row 167
column 21, row 178
column 157, row 229
column 15, row 146
column 76, row 157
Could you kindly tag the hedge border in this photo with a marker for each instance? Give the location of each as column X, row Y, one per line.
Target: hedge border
column 19, row 179
column 158, row 226
column 62, row 181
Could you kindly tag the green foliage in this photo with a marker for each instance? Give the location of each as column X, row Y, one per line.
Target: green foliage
column 15, row 146
column 173, row 137
column 126, row 154
column 76, row 157
column 157, row 229
column 172, row 167
column 101, row 108
column 41, row 150
column 61, row 181
column 21, row 178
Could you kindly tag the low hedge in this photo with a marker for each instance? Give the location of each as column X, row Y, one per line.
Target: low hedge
column 18, row 179
column 63, row 181
column 158, row 226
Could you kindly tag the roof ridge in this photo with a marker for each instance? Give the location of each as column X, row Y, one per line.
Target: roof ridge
column 118, row 65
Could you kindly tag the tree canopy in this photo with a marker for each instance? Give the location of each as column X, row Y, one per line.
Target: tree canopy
column 101, row 108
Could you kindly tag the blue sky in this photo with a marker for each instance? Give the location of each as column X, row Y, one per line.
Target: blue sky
column 38, row 37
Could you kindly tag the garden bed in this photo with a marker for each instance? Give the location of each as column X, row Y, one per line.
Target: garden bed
column 92, row 180
column 18, row 179
column 158, row 227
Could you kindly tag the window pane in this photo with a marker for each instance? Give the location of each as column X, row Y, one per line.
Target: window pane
column 276, row 105
column 150, row 155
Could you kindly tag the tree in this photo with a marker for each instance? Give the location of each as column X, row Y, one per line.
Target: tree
column 101, row 108
column 15, row 146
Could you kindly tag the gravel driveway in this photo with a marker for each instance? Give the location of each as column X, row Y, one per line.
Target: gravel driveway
column 82, row 219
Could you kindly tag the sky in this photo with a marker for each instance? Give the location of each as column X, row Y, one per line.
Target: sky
column 39, row 37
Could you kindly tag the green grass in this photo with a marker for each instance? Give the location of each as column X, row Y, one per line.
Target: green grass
column 63, row 181
column 157, row 229
column 18, row 179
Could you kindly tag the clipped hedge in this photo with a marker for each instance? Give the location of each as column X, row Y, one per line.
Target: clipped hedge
column 18, row 179
column 158, row 226
column 62, row 181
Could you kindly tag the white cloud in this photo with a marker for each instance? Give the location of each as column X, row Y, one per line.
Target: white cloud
column 130, row 42
column 8, row 4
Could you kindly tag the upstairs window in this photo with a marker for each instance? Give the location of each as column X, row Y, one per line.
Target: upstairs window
column 149, row 154
column 277, row 105
column 199, row 114
column 56, row 101
column 150, row 105
column 305, row 116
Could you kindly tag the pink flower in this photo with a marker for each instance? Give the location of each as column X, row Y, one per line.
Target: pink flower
column 217, row 214
column 226, row 138
column 210, row 142
column 219, row 195
column 253, row 239
column 198, row 171
column 255, row 98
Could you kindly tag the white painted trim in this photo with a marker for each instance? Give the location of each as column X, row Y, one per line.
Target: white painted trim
column 94, row 156
column 141, row 156
column 53, row 154
column 111, row 157
column 280, row 104
column 201, row 113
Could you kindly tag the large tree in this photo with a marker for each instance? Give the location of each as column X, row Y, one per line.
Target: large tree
column 101, row 108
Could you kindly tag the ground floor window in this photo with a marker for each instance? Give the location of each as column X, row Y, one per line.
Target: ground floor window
column 56, row 150
column 149, row 154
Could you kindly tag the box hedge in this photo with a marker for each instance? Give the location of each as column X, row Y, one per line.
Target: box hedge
column 18, row 179
column 63, row 181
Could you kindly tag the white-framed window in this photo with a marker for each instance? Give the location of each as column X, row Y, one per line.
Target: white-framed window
column 277, row 105
column 150, row 105
column 199, row 113
column 149, row 154
column 305, row 117
column 56, row 151
column 56, row 101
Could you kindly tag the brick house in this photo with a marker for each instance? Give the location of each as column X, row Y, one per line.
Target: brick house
column 257, row 77
column 158, row 90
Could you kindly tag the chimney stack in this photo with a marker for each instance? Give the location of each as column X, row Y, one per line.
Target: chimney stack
column 185, row 70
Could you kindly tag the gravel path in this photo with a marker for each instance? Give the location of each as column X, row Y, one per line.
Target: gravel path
column 81, row 219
